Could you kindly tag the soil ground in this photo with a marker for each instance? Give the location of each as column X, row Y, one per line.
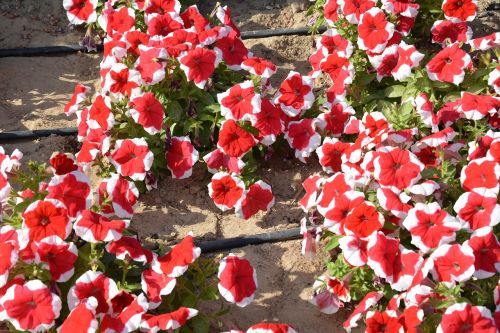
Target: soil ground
column 34, row 91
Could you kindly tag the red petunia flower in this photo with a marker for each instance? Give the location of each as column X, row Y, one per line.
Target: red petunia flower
column 329, row 294
column 129, row 248
column 30, row 306
column 367, row 302
column 330, row 154
column 259, row 197
column 449, row 65
column 176, row 262
column 386, row 321
column 295, row 94
column 237, row 280
column 117, row 21
column 46, row 218
column 193, row 18
column 406, row 8
column 163, row 6
column 333, row 42
column 478, row 209
column 336, row 66
column 268, row 122
column 259, row 67
column 270, row 328
column 163, row 24
column 302, row 136
column 461, row 317
column 167, row 321
column 93, row 284
column 476, row 107
column 8, row 259
column 122, row 193
column 397, row 61
column 240, row 102
column 486, row 249
column 354, row 250
column 374, row 30
column 121, row 81
column 80, row 11
column 353, row 9
column 336, row 119
column 198, row 64
column 447, row 32
column 226, row 190
column 425, row 110
column 156, row 285
column 311, row 185
column 100, row 115
column 486, row 42
column 92, row 227
column 79, row 96
column 181, row 156
column 62, row 163
column 384, row 255
column 480, row 173
column 394, row 201
column 459, row 11
column 59, row 256
column 405, row 269
column 452, row 263
column 363, row 220
column 232, row 50
column 132, row 158
column 234, row 140
column 330, row 11
column 334, row 187
column 397, row 167
column 73, row 190
column 494, row 79
column 82, row 317
column 430, row 226
column 339, row 209
column 217, row 161
column 224, row 16
column 151, row 64
column 147, row 111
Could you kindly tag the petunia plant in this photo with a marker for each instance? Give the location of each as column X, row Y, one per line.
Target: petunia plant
column 69, row 259
column 407, row 137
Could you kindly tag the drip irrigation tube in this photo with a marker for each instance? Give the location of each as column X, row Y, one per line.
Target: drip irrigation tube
column 232, row 243
column 61, row 50
column 35, row 134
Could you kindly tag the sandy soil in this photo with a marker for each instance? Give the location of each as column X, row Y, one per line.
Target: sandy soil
column 35, row 90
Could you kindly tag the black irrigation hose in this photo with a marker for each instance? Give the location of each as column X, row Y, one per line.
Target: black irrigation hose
column 61, row 50
column 35, row 134
column 220, row 245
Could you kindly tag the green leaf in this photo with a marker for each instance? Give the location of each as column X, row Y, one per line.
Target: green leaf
column 201, row 324
column 395, row 91
column 333, row 243
column 175, row 111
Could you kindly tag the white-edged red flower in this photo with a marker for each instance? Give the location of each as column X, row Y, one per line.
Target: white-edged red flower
column 127, row 317
column 258, row 197
column 8, row 259
column 312, row 186
column 353, row 9
column 234, row 140
column 259, row 67
column 217, row 161
column 387, row 321
column 93, row 284
column 121, row 193
column 430, row 226
column 452, row 263
column 129, row 248
column 329, row 294
column 181, row 156
column 406, row 8
column 395, row 167
column 93, row 227
column 80, row 11
column 339, row 209
column 151, row 64
column 30, row 306
column 481, row 173
column 394, row 201
column 354, row 250
column 330, row 154
column 459, row 11
column 121, row 81
column 163, row 24
column 363, row 220
column 449, row 65
column 463, row 316
column 147, row 111
column 268, row 122
column 295, row 94
column 132, row 158
column 177, row 261
column 270, row 328
column 59, row 257
column 366, row 303
column 237, row 280
column 486, row 249
column 199, row 63
column 476, row 107
column 167, row 321
column 226, row 190
column 374, row 30
column 333, row 42
column 46, row 218
column 156, row 285
column 446, row 32
column 486, row 42
column 82, row 318
column 230, row 46
column 79, row 96
column 73, row 190
column 100, row 115
column 494, row 79
column 240, row 102
column 302, row 136
column 396, row 61
column 478, row 209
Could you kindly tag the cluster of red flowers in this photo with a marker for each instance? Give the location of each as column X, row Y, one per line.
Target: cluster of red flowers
column 49, row 250
column 415, row 208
